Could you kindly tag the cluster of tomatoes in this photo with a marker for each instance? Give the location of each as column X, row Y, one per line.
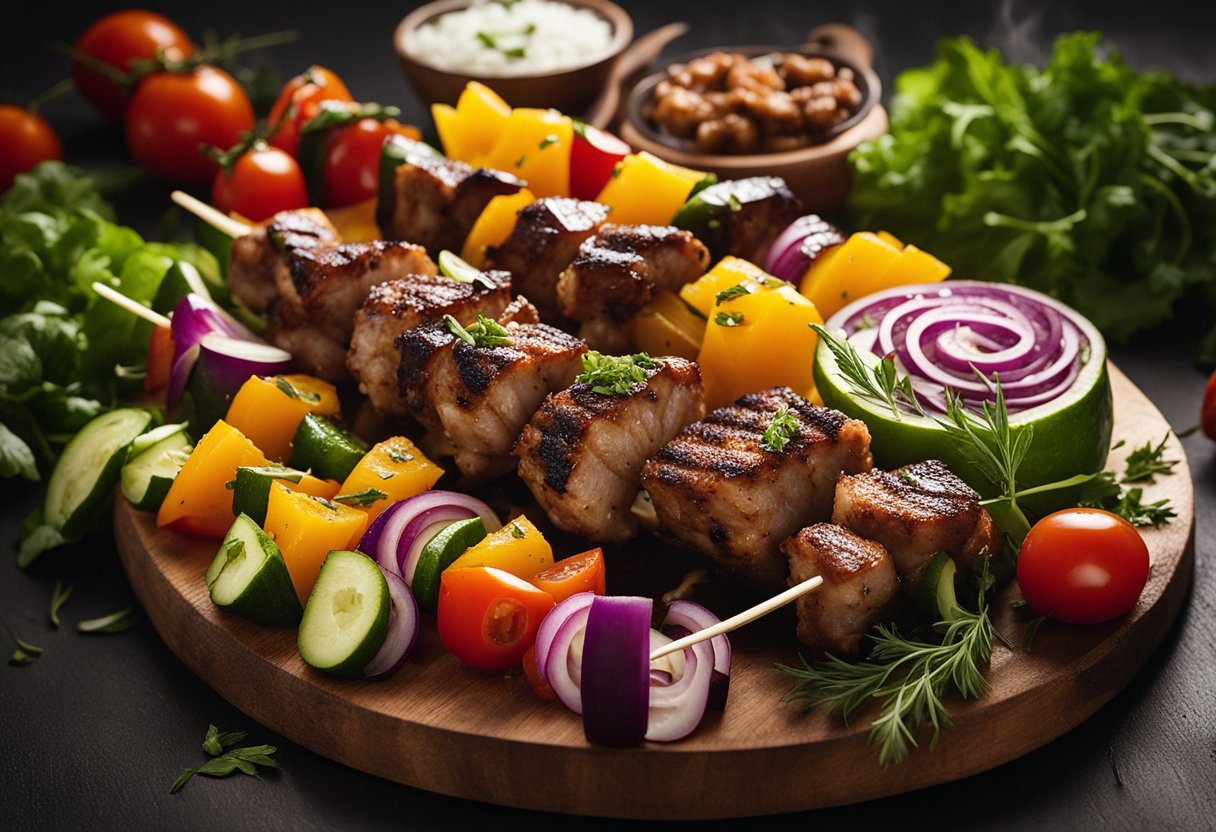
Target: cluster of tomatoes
column 190, row 122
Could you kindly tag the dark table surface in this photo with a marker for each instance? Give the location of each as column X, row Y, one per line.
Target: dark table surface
column 93, row 733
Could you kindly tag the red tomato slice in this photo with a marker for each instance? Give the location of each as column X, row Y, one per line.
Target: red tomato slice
column 539, row 685
column 488, row 618
column 593, row 157
column 577, row 573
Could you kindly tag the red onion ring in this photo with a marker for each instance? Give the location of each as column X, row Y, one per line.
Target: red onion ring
column 676, row 709
column 795, row 248
column 402, row 630
column 691, row 617
column 396, row 537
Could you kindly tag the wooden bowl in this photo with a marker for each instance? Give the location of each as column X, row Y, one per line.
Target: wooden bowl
column 570, row 90
column 819, row 174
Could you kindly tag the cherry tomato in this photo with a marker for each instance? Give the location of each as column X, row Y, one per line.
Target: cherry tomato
column 1082, row 566
column 352, row 163
column 25, row 140
column 306, row 91
column 264, row 180
column 172, row 115
column 593, row 156
column 119, row 39
column 577, row 573
column 539, row 685
column 488, row 618
column 160, row 359
column 1208, row 412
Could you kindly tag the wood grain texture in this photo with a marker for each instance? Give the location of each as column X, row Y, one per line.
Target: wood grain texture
column 447, row 728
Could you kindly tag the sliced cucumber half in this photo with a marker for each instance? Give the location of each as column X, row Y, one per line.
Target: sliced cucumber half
column 347, row 615
column 324, row 448
column 437, row 555
column 251, row 490
column 935, row 598
column 249, row 577
column 153, row 461
column 89, row 467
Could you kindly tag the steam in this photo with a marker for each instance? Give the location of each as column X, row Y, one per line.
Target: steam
column 1017, row 34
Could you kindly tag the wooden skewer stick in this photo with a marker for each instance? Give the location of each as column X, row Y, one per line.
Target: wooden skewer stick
column 134, row 307
column 214, row 217
column 737, row 621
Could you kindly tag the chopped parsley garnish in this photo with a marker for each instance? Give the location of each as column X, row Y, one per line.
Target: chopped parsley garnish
column 780, row 431
column 487, row 39
column 548, row 140
column 292, row 392
column 362, row 498
column 736, row 291
column 1146, row 461
column 612, row 374
column 517, row 532
column 484, row 333
column 728, row 318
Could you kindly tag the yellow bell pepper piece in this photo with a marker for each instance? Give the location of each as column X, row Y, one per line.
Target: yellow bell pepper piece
column 315, row 486
column 645, row 190
column 666, row 326
column 848, row 271
column 199, row 501
column 730, row 271
column 518, row 548
column 483, row 116
column 306, row 529
column 356, row 223
column 913, row 265
column 394, row 466
column 535, row 146
column 268, row 411
column 451, row 136
column 757, row 340
column 494, row 225
column 888, row 237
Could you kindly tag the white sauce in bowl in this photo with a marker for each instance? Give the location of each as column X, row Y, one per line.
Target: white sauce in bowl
column 496, row 39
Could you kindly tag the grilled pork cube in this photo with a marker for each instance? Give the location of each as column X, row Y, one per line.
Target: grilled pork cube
column 313, row 352
column 582, row 453
column 481, row 397
column 520, row 311
column 915, row 512
column 615, row 273
column 400, row 305
column 260, row 258
column 746, row 217
column 434, row 201
column 717, row 489
column 327, row 285
column 859, row 589
column 545, row 239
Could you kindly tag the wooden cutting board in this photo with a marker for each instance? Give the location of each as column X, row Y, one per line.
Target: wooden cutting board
column 447, row 728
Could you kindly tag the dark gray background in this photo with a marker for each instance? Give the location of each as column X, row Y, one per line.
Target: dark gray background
column 92, row 734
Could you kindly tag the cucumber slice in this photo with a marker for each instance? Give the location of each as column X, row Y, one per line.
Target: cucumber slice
column 324, row 448
column 935, row 599
column 346, row 618
column 153, row 461
column 251, row 492
column 438, row 553
column 250, row 577
column 88, row 469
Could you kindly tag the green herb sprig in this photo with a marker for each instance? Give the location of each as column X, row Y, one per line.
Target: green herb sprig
column 783, row 427
column 362, row 498
column 59, row 597
column 116, row 622
column 225, row 759
column 615, row 375
column 24, row 653
column 484, row 333
column 880, row 383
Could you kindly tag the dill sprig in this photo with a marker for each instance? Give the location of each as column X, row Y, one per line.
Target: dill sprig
column 1145, row 462
column 909, row 678
column 881, row 383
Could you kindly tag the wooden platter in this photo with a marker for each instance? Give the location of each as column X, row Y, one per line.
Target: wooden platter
column 441, row 726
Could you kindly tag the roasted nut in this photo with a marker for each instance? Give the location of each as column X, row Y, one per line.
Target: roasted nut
column 800, row 71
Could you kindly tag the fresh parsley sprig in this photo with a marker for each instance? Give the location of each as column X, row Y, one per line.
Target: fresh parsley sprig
column 782, row 428
column 880, row 383
column 484, row 333
column 225, row 759
column 1145, row 462
column 909, row 677
column 362, row 498
column 614, row 375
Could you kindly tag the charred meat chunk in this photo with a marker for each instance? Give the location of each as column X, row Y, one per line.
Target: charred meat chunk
column 615, row 273
column 860, row 586
column 719, row 488
column 397, row 306
column 915, row 512
column 582, row 453
column 545, row 239
column 260, row 259
column 741, row 216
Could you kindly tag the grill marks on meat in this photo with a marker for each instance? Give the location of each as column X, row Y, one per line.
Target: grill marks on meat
column 261, row 258
column 545, row 239
column 860, row 586
column 435, row 201
column 915, row 512
column 615, row 273
column 717, row 489
column 395, row 307
column 481, row 397
column 582, row 453
column 328, row 284
column 313, row 352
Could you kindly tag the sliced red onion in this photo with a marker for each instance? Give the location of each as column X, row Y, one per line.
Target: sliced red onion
column 552, row 622
column 676, row 709
column 179, row 376
column 795, row 248
column 692, row 617
column 616, row 670
column 402, row 630
column 230, row 362
column 942, row 334
column 391, row 538
column 193, row 318
column 563, row 668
